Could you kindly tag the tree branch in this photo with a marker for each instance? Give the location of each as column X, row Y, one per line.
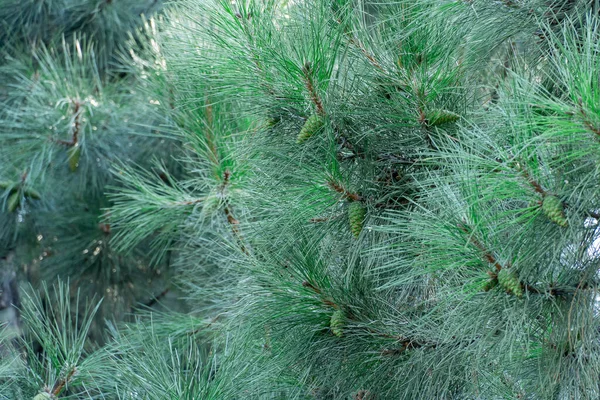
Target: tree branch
column 314, row 96
column 340, row 189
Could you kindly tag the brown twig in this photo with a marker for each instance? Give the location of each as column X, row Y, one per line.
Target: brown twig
column 586, row 120
column 105, row 228
column 353, row 40
column 312, row 287
column 77, row 112
column 326, row 301
column 407, row 344
column 234, row 222
column 340, row 189
column 156, row 298
column 320, row 219
column 536, row 186
column 364, row 395
column 314, row 96
column 487, row 255
column 61, row 383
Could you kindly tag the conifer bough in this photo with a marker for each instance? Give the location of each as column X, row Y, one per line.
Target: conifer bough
column 215, row 79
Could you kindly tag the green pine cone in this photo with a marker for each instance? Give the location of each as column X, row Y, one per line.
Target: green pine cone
column 74, row 154
column 337, row 323
column 311, row 126
column 13, row 202
column 553, row 208
column 441, row 117
column 356, row 216
column 509, row 280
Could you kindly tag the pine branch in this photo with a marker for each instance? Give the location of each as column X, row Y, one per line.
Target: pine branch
column 233, row 222
column 536, row 186
column 60, row 384
column 491, row 259
column 487, row 255
column 156, row 299
column 77, row 115
column 586, row 120
column 326, row 300
column 335, row 186
column 353, row 40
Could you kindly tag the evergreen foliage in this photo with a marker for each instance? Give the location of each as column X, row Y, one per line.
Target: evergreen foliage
column 357, row 199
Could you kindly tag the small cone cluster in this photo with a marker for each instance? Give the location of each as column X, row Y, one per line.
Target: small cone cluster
column 554, row 210
column 337, row 323
column 356, row 217
column 310, row 127
column 509, row 280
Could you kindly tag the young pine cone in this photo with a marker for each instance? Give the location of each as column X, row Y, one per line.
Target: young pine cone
column 311, row 126
column 553, row 208
column 356, row 216
column 509, row 280
column 441, row 117
column 337, row 323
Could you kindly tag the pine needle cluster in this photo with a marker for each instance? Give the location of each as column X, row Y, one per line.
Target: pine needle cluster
column 357, row 199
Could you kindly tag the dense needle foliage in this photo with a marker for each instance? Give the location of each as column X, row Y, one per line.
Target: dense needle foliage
column 331, row 199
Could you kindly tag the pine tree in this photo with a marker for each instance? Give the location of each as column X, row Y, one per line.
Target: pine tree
column 360, row 200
